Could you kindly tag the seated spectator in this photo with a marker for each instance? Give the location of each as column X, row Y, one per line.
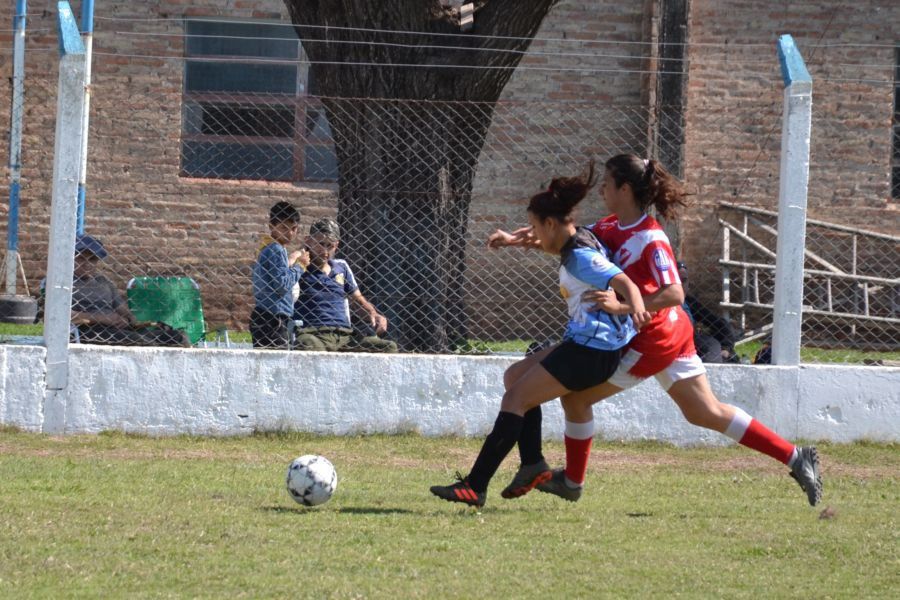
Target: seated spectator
column 713, row 336
column 101, row 315
column 275, row 273
column 764, row 354
column 323, row 305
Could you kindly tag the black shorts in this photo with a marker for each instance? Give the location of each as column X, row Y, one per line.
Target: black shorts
column 578, row 367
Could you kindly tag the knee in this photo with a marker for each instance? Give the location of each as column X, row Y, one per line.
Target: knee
column 514, row 402
column 709, row 415
column 308, row 342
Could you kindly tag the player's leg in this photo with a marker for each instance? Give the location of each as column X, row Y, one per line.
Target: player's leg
column 533, row 468
column 533, row 388
column 700, row 407
column 585, row 373
column 568, row 482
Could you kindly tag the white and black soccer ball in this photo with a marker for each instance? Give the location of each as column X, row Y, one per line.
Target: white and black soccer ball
column 311, row 480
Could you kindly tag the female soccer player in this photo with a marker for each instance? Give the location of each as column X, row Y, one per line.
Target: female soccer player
column 591, row 346
column 664, row 348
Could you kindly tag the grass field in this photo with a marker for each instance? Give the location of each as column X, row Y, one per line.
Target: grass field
column 123, row 516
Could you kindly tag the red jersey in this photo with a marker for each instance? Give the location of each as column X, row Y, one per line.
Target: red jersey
column 642, row 250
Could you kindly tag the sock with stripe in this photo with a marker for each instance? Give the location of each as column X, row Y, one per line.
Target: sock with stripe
column 530, row 438
column 749, row 432
column 496, row 446
column 578, row 438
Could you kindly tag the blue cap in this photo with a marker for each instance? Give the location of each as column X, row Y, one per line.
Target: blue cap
column 86, row 243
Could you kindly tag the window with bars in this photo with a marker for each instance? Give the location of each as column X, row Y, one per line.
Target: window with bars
column 249, row 110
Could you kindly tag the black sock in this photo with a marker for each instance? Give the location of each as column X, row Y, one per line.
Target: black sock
column 530, row 438
column 496, row 446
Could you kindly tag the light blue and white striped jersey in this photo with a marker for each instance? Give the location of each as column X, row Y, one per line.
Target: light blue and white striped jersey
column 585, row 265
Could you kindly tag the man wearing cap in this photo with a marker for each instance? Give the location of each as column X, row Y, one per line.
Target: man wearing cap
column 323, row 306
column 95, row 300
column 100, row 314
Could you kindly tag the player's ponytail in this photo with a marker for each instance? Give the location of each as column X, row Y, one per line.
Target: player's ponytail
column 563, row 195
column 650, row 182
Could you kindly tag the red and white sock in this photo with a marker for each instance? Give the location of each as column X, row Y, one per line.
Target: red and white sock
column 579, row 437
column 749, row 432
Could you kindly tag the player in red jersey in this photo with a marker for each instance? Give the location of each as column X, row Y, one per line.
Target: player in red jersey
column 664, row 348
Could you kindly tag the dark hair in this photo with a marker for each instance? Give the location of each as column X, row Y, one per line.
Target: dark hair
column 562, row 196
column 650, row 182
column 282, row 212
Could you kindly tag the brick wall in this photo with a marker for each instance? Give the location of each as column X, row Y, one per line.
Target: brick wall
column 734, row 106
column 547, row 122
column 152, row 220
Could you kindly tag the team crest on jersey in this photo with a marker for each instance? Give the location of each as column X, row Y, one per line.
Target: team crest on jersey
column 339, row 278
column 622, row 256
column 661, row 260
column 564, row 292
column 598, row 261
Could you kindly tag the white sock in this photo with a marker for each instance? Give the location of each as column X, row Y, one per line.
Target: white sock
column 794, row 456
column 739, row 424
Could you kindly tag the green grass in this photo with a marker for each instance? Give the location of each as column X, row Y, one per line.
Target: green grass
column 823, row 355
column 123, row 516
column 13, row 329
column 518, row 346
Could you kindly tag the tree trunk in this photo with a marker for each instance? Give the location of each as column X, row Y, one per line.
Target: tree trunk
column 408, row 140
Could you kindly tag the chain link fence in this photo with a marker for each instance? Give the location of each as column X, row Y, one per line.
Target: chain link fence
column 188, row 152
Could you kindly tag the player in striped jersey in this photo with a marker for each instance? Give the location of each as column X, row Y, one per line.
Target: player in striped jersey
column 664, row 348
column 587, row 356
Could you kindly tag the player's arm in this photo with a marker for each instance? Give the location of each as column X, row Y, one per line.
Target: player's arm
column 671, row 295
column 593, row 268
column 660, row 262
column 523, row 237
column 377, row 320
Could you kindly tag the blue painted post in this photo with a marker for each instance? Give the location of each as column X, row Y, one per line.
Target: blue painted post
column 794, row 183
column 61, row 255
column 15, row 145
column 87, row 33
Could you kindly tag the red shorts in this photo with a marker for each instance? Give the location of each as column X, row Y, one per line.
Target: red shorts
column 656, row 359
column 669, row 366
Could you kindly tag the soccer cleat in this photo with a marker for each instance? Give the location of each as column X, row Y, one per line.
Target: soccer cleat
column 557, row 486
column 806, row 472
column 460, row 491
column 526, row 478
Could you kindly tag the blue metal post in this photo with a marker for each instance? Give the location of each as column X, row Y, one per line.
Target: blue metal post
column 87, row 36
column 15, row 145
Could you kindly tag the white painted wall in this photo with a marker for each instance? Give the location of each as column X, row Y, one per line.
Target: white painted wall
column 231, row 392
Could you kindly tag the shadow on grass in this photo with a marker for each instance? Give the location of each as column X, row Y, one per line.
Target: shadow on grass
column 349, row 510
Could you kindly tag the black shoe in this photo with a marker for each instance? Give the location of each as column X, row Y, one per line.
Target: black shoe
column 557, row 486
column 806, row 472
column 527, row 477
column 460, row 491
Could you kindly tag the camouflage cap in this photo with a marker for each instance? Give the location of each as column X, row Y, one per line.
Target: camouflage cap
column 327, row 227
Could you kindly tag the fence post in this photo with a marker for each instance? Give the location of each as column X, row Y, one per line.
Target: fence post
column 794, row 181
column 66, row 164
column 87, row 26
column 15, row 146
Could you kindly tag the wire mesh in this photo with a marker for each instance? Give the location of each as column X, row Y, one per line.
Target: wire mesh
column 193, row 139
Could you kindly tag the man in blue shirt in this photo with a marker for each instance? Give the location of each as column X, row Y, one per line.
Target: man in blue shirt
column 323, row 306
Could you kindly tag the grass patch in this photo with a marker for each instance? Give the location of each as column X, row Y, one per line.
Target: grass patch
column 123, row 515
column 822, row 355
column 7, row 329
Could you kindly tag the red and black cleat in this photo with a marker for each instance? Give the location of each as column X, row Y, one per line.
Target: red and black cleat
column 460, row 491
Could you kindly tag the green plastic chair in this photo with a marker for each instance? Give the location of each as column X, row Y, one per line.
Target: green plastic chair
column 174, row 301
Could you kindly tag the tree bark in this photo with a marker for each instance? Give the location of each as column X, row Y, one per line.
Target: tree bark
column 409, row 121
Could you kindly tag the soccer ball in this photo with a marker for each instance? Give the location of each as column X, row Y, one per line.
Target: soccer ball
column 311, row 480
